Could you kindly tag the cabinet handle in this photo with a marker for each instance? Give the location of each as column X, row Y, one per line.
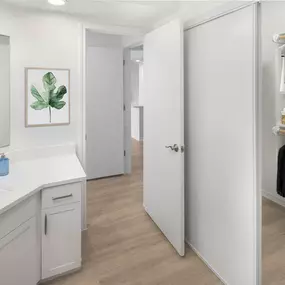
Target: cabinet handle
column 62, row 197
column 46, row 224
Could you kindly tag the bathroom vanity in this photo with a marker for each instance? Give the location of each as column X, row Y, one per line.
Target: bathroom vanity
column 41, row 215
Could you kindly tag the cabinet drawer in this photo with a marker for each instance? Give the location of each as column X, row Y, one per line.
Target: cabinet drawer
column 19, row 214
column 61, row 195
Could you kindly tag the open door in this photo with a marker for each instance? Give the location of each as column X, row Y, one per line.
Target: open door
column 104, row 112
column 164, row 131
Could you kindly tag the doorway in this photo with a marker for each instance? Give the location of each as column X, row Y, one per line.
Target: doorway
column 104, row 105
column 133, row 104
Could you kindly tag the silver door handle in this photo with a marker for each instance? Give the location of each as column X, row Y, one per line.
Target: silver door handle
column 175, row 147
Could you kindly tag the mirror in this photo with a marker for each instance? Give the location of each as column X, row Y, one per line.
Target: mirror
column 4, row 91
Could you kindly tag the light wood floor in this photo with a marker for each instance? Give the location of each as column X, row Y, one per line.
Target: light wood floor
column 123, row 246
column 273, row 244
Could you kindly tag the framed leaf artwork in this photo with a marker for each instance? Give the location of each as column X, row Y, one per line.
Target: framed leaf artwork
column 47, row 97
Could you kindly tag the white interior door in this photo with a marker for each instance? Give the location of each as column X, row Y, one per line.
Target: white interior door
column 163, row 127
column 104, row 112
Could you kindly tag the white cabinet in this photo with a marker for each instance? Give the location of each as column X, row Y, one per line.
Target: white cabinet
column 41, row 237
column 61, row 230
column 18, row 255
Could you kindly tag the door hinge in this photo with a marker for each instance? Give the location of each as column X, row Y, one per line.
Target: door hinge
column 124, row 107
column 124, row 62
column 124, row 153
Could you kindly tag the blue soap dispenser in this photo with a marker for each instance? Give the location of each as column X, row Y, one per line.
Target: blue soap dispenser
column 4, row 165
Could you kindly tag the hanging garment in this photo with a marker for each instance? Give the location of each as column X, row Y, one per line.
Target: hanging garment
column 281, row 172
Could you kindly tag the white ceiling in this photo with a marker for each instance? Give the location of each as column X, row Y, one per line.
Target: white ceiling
column 132, row 13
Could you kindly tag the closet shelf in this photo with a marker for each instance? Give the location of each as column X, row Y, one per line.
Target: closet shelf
column 279, row 129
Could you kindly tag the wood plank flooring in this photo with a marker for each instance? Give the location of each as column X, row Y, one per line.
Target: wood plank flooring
column 273, row 243
column 123, row 246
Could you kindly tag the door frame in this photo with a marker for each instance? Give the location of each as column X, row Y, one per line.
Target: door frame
column 127, row 101
column 128, row 106
column 81, row 150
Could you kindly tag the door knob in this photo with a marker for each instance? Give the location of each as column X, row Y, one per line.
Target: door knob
column 175, row 147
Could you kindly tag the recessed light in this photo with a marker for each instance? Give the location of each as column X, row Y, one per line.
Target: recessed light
column 57, row 2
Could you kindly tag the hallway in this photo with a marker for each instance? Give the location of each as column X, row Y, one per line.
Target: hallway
column 123, row 246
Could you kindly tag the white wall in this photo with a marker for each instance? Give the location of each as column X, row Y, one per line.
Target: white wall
column 137, row 89
column 137, row 82
column 137, row 123
column 134, row 81
column 42, row 40
column 131, row 41
column 220, row 145
column 273, row 21
column 96, row 39
column 48, row 40
column 141, row 84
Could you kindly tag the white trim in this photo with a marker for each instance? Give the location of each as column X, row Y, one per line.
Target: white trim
column 206, row 262
column 276, row 199
column 83, row 130
column 127, row 112
column 182, row 133
column 228, row 9
column 257, row 222
column 83, row 70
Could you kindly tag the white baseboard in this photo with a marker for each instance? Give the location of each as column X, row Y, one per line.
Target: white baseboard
column 206, row 262
column 274, row 198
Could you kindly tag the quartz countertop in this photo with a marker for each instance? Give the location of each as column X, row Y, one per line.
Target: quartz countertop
column 30, row 175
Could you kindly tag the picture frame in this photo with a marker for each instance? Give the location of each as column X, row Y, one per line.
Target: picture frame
column 47, row 97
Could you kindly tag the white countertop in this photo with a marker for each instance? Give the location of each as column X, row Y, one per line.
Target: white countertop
column 30, row 175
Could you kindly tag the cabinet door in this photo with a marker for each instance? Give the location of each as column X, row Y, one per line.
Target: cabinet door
column 18, row 255
column 61, row 239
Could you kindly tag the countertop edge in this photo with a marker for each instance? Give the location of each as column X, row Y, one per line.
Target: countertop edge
column 38, row 189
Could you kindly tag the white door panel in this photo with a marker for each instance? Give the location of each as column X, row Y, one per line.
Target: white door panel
column 61, row 239
column 220, row 70
column 163, row 126
column 104, row 112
